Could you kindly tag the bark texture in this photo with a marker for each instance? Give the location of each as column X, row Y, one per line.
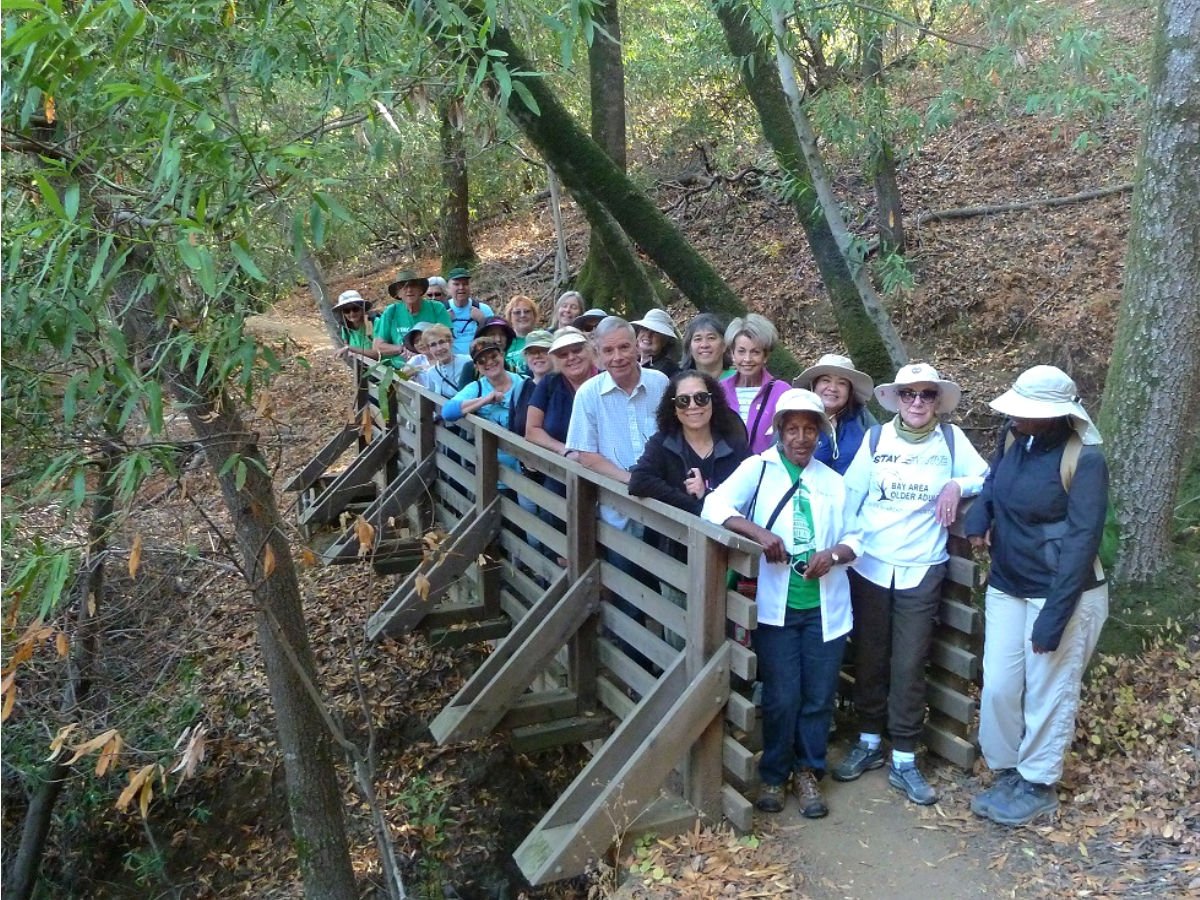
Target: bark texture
column 1153, row 388
column 457, row 249
column 882, row 162
column 861, row 335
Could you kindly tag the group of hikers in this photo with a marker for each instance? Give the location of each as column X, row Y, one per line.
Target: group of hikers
column 852, row 514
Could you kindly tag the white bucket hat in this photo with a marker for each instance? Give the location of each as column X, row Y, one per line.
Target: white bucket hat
column 658, row 321
column 949, row 393
column 842, row 367
column 800, row 400
column 1047, row 392
column 351, row 298
column 567, row 337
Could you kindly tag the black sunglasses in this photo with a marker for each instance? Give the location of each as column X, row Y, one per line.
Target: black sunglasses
column 683, row 401
column 928, row 395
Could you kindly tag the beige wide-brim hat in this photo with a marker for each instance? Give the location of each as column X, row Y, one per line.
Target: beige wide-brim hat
column 1047, row 392
column 590, row 319
column 949, row 393
column 841, row 367
column 351, row 298
column 658, row 321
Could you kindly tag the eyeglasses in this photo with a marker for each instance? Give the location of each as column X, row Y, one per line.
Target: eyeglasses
column 439, row 343
column 683, row 401
column 928, row 395
column 522, row 313
column 435, row 295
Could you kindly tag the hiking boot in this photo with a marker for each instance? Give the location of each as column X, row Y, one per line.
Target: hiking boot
column 860, row 759
column 812, row 805
column 771, row 797
column 1023, row 803
column 910, row 780
column 1002, row 785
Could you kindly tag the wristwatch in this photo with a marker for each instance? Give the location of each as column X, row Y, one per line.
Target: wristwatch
column 837, row 560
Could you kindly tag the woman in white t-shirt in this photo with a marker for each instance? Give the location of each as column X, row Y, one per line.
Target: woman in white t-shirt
column 904, row 487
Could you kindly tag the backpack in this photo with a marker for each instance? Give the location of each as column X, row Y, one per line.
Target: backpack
column 1107, row 554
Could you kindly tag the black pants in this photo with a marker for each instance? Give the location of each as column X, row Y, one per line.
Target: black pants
column 893, row 631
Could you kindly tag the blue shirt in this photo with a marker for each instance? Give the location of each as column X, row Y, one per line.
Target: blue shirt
column 849, row 432
column 463, row 326
column 493, row 412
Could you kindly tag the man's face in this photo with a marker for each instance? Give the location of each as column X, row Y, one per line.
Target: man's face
column 618, row 354
column 411, row 292
column 460, row 289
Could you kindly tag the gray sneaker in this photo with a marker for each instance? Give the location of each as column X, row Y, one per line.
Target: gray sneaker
column 910, row 780
column 861, row 758
column 1002, row 784
column 1024, row 803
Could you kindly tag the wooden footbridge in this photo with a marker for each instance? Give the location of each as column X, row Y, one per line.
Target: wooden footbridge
column 661, row 695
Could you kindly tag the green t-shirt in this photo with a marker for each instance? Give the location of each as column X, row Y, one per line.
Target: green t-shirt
column 357, row 338
column 803, row 593
column 515, row 357
column 396, row 321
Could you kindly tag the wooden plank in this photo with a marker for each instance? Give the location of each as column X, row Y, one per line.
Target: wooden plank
column 397, row 558
column 652, row 603
column 653, row 648
column 613, row 698
column 405, row 608
column 706, row 591
column 742, row 660
column 666, row 815
column 455, row 473
column 328, row 506
column 965, row 619
column 956, row 660
column 487, row 468
column 537, row 706
column 325, row 457
column 619, row 779
column 495, row 686
column 661, row 565
column 401, row 493
column 531, row 524
column 624, row 668
column 450, row 440
column 542, row 497
column 738, row 810
column 956, row 705
column 738, row 761
column 582, row 652
column 469, row 632
column 741, row 610
column 963, row 571
column 950, row 746
column 518, row 550
column 571, row 730
column 447, row 614
column 448, row 497
column 740, row 712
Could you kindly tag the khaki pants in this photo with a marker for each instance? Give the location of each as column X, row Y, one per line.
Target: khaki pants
column 1027, row 713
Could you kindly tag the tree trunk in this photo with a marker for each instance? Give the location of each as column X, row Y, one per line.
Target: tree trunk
column 457, row 249
column 562, row 265
column 881, row 163
column 612, row 276
column 314, row 796
column 1152, row 392
column 88, row 592
column 864, row 340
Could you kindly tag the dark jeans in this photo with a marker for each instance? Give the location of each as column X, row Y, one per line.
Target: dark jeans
column 893, row 630
column 799, row 674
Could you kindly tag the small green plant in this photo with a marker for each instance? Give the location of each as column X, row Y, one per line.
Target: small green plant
column 894, row 274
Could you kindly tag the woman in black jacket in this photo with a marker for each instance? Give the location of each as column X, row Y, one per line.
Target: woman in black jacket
column 700, row 441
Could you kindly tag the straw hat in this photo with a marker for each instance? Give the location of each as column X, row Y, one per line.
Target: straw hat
column 949, row 393
column 841, row 367
column 1047, row 392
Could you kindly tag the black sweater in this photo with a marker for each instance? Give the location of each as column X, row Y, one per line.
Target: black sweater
column 666, row 460
column 1044, row 540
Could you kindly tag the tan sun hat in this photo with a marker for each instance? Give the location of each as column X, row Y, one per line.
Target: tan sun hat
column 1047, row 392
column 351, row 298
column 658, row 321
column 949, row 393
column 841, row 367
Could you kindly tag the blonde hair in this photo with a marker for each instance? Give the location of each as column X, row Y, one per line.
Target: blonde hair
column 438, row 330
column 758, row 328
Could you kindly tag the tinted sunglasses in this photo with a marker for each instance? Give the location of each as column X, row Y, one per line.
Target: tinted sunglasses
column 928, row 395
column 683, row 401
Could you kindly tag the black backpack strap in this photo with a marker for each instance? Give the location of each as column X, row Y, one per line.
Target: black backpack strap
column 782, row 502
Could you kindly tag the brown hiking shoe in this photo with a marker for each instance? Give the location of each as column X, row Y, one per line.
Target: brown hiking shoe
column 812, row 805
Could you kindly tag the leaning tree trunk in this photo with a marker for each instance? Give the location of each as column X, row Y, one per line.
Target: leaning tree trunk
column 872, row 350
column 88, row 593
column 314, row 797
column 457, row 249
column 1152, row 393
column 881, row 162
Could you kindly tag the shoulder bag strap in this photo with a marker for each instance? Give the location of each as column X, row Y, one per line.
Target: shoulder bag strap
column 762, row 407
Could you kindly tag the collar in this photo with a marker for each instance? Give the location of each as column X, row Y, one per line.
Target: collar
column 608, row 385
column 675, row 443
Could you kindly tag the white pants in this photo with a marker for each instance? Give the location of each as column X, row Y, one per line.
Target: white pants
column 1027, row 713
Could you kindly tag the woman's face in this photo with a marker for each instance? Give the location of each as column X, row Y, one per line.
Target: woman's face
column 698, row 411
column 496, row 333
column 440, row 348
column 798, row 435
column 538, row 361
column 918, row 403
column 568, row 311
column 748, row 357
column 650, row 343
column 574, row 362
column 490, row 363
column 707, row 349
column 524, row 318
column 834, row 392
column 353, row 317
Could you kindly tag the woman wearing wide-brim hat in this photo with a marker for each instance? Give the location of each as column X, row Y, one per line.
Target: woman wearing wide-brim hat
column 395, row 321
column 657, row 342
column 845, row 391
column 1042, row 512
column 906, row 481
column 351, row 312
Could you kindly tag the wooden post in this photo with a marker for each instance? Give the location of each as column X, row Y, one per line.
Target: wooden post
column 707, row 564
column 487, row 475
column 582, row 650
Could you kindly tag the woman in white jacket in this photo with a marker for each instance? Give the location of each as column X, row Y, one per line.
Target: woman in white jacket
column 793, row 505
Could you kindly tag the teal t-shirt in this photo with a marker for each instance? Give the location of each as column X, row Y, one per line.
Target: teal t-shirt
column 396, row 321
column 803, row 593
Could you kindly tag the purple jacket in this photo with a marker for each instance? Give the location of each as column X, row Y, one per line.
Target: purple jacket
column 762, row 408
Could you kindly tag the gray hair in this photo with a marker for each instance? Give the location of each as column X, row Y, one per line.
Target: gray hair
column 569, row 295
column 612, row 323
column 437, row 280
column 758, row 328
